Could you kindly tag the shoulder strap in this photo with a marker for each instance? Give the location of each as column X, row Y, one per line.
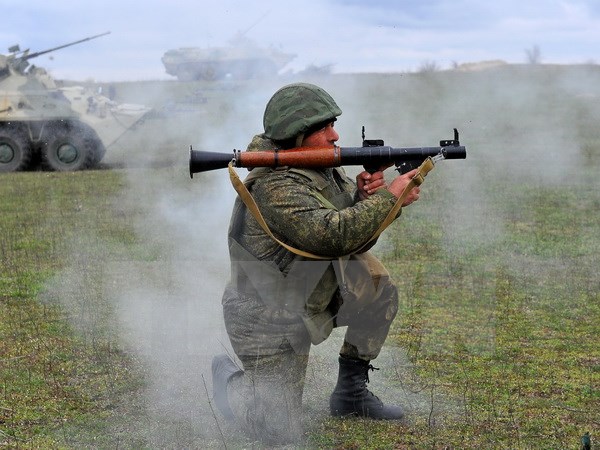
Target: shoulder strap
column 246, row 197
column 253, row 207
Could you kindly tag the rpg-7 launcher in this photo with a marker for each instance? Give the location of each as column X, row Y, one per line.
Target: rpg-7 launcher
column 372, row 156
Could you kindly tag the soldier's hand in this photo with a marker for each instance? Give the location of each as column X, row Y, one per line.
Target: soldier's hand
column 397, row 186
column 368, row 183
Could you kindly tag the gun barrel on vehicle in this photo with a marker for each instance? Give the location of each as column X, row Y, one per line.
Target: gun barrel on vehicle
column 372, row 158
column 28, row 56
column 20, row 62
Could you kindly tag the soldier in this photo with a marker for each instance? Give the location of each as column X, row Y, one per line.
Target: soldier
column 279, row 302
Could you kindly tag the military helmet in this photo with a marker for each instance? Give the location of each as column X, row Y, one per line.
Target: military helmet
column 296, row 108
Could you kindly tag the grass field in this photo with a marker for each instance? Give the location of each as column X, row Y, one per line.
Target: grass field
column 497, row 267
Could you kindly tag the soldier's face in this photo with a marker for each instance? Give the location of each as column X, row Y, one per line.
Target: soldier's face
column 325, row 137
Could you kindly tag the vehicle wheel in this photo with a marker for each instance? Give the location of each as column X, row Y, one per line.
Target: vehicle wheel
column 209, row 73
column 93, row 142
column 15, row 150
column 67, row 150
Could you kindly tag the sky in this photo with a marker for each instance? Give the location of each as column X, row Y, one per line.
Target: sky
column 350, row 35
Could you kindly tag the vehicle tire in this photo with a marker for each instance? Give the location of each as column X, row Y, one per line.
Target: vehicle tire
column 67, row 150
column 209, row 73
column 93, row 142
column 15, row 150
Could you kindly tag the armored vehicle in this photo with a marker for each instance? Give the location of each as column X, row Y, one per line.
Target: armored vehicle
column 57, row 128
column 241, row 60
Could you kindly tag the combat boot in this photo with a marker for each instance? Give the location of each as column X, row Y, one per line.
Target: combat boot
column 223, row 370
column 351, row 396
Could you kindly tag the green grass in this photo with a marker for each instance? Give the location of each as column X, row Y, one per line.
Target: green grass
column 514, row 340
column 498, row 280
column 510, row 329
column 50, row 374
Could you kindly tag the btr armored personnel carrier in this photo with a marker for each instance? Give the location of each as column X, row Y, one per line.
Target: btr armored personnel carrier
column 57, row 128
column 241, row 60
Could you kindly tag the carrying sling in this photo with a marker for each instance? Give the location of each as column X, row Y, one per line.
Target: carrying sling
column 248, row 200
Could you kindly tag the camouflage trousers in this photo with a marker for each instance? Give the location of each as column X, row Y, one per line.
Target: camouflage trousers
column 273, row 346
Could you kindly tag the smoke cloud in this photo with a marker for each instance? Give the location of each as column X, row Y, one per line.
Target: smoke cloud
column 167, row 298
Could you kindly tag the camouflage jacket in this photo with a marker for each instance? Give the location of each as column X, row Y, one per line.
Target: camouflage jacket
column 317, row 211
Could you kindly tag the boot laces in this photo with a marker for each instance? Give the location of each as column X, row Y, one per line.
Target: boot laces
column 369, row 367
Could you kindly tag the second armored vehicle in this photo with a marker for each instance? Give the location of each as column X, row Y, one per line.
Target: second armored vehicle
column 242, row 60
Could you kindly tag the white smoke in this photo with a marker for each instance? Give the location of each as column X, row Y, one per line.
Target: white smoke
column 167, row 295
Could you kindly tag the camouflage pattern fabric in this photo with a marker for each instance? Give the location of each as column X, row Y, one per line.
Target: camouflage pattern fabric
column 292, row 202
column 278, row 303
column 267, row 399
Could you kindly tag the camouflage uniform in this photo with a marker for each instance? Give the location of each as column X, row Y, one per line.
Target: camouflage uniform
column 278, row 303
